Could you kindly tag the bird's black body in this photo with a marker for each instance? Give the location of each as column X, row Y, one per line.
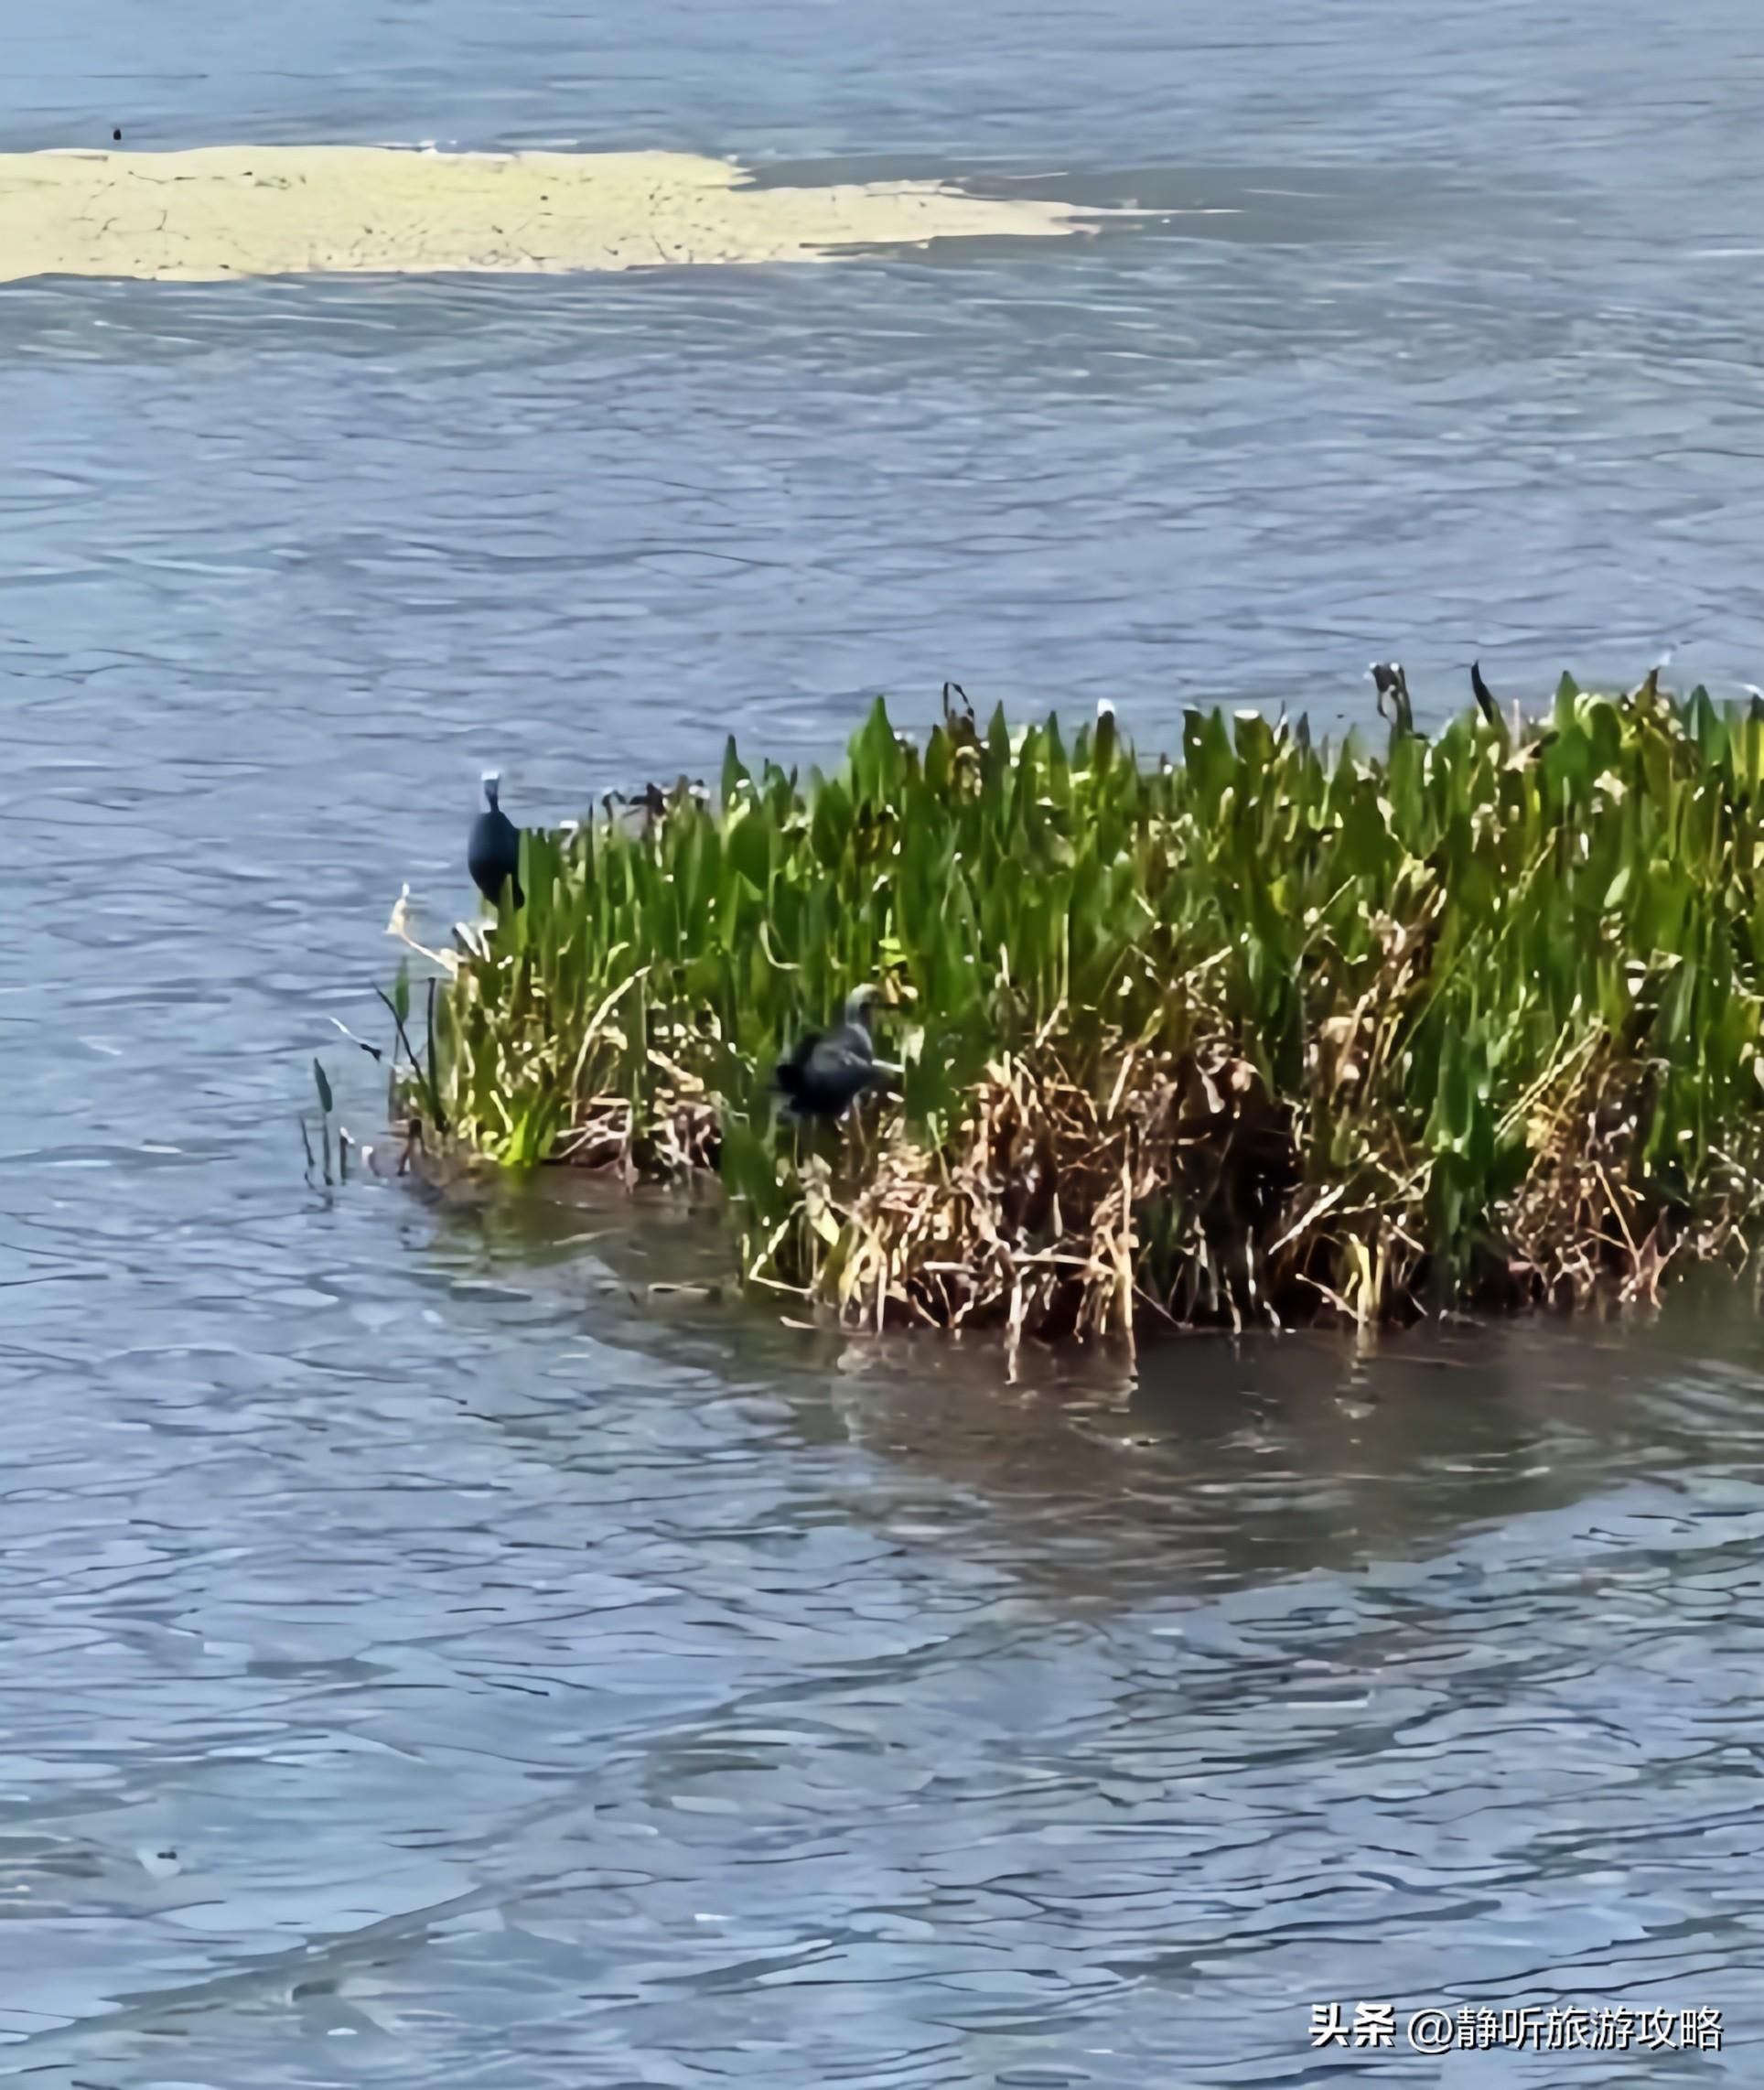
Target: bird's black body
column 494, row 851
column 1392, row 687
column 827, row 1071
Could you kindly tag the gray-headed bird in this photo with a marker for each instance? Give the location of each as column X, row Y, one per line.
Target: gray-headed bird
column 828, row 1070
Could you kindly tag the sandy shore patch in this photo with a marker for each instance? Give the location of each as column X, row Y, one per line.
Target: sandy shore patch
column 238, row 210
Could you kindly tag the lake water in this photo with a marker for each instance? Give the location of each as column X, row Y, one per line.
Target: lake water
column 431, row 1657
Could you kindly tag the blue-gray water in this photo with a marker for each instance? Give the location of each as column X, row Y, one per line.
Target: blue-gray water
column 544, row 1683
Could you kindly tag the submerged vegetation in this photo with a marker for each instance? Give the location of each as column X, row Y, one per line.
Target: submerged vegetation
column 1266, row 1032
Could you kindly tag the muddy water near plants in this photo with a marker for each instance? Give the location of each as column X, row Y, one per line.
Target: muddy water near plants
column 430, row 1655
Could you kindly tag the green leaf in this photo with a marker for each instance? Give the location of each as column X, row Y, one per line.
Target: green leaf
column 734, row 773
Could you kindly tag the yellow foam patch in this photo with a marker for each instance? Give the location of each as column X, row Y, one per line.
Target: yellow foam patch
column 220, row 211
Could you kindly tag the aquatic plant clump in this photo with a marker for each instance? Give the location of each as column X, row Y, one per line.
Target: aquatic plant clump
column 1270, row 1031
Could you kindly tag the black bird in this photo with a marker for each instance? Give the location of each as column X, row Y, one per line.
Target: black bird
column 1392, row 687
column 827, row 1070
column 493, row 852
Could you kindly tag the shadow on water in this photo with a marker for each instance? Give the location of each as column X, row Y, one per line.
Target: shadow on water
column 1217, row 1464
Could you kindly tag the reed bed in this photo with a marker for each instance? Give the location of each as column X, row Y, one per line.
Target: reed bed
column 1266, row 1032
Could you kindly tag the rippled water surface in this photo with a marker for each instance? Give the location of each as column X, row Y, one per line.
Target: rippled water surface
column 429, row 1655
